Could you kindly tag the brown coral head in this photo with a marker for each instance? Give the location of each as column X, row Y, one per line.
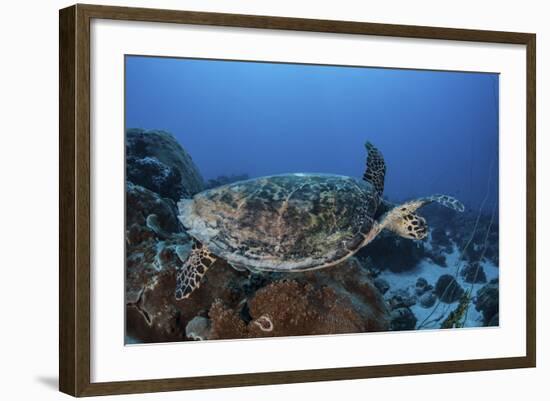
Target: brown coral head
column 264, row 323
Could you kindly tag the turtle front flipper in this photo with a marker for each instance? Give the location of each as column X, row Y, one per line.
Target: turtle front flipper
column 404, row 222
column 376, row 168
column 189, row 275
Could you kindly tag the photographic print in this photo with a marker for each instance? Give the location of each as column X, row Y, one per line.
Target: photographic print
column 270, row 199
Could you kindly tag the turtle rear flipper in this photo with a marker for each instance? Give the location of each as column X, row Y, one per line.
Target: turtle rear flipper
column 189, row 275
column 376, row 168
column 403, row 221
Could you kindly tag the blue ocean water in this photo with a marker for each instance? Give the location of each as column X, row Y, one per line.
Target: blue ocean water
column 437, row 130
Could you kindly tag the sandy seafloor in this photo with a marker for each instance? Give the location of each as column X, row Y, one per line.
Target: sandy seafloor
column 429, row 318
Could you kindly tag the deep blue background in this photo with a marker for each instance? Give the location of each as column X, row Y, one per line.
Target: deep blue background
column 438, row 130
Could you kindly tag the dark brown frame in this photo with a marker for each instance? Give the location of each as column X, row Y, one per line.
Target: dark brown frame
column 74, row 199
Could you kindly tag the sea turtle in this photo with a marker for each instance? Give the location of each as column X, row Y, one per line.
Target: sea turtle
column 293, row 222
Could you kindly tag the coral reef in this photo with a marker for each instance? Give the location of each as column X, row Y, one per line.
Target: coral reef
column 156, row 241
column 288, row 308
column 158, row 317
column 307, row 303
column 151, row 261
column 231, row 303
column 300, row 309
column 351, row 279
column 379, row 289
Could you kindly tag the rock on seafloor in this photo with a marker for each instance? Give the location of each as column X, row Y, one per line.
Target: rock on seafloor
column 403, row 319
column 422, row 286
column 487, row 302
column 428, row 299
column 155, row 160
column 401, row 297
column 474, row 273
column 448, row 289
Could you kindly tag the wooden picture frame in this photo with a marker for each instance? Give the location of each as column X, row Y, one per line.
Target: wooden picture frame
column 75, row 207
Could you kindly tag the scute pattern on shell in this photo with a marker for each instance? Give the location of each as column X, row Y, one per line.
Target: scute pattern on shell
column 286, row 222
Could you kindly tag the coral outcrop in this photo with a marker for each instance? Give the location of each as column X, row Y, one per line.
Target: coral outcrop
column 288, row 308
column 156, row 161
column 151, row 260
column 155, row 240
column 329, row 301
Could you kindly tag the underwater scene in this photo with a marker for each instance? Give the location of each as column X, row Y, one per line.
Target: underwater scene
column 276, row 199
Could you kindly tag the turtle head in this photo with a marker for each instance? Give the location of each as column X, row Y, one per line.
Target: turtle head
column 403, row 220
column 405, row 224
column 411, row 226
